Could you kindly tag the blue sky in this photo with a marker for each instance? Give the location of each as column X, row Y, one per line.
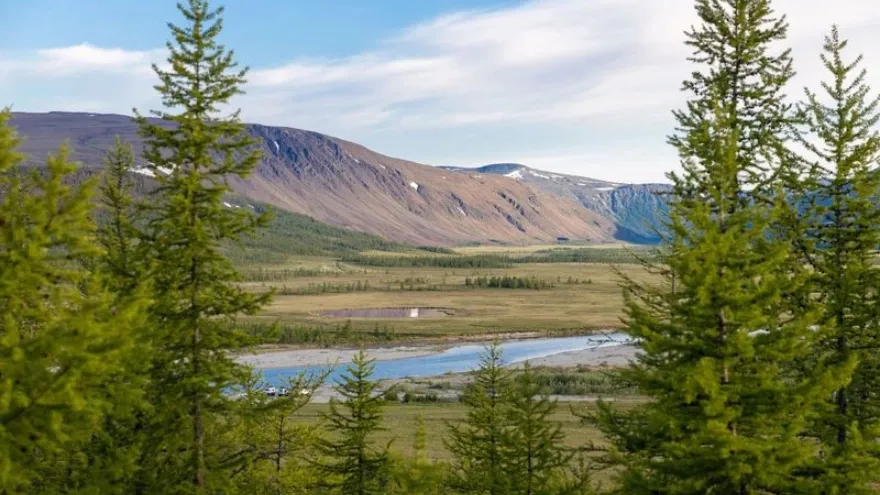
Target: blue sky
column 572, row 86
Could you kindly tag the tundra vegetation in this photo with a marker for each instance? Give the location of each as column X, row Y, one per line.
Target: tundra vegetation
column 757, row 316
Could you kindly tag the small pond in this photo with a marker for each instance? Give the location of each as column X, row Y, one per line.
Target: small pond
column 390, row 313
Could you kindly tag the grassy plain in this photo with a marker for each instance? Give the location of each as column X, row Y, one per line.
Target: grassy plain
column 576, row 297
column 400, row 421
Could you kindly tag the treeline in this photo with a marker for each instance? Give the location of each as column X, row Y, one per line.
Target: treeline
column 586, row 255
column 282, row 274
column 325, row 288
column 507, row 282
column 315, row 335
column 389, row 261
column 287, row 234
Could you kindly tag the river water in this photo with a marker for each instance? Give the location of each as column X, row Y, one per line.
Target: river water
column 458, row 359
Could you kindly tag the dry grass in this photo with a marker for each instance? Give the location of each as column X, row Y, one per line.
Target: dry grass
column 400, row 422
column 477, row 311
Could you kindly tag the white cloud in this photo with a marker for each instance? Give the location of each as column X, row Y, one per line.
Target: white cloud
column 581, row 65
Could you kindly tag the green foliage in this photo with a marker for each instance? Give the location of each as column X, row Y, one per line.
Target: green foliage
column 507, row 282
column 192, row 152
column 290, row 234
column 352, row 466
column 315, row 335
column 725, row 415
column 272, row 452
column 536, row 456
column 117, row 234
column 586, row 255
column 841, row 239
column 580, row 381
column 61, row 332
column 479, row 446
column 475, row 261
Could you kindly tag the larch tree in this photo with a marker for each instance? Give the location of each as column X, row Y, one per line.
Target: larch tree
column 725, row 414
column 537, row 454
column 350, row 465
column 61, row 332
column 843, row 235
column 480, row 444
column 116, row 230
column 192, row 149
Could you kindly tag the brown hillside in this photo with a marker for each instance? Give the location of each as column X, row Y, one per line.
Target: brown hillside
column 345, row 184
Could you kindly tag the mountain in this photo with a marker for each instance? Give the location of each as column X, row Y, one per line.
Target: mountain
column 346, row 185
column 636, row 209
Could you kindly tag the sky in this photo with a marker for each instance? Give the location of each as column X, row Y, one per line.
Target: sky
column 583, row 87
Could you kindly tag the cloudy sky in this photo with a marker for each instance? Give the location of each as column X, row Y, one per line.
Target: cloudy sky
column 572, row 86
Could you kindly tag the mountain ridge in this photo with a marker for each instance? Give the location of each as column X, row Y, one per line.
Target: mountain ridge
column 344, row 184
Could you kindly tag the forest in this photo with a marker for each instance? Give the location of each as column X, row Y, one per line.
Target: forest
column 759, row 338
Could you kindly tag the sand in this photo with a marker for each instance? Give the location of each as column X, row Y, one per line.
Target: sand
column 602, row 356
column 312, row 357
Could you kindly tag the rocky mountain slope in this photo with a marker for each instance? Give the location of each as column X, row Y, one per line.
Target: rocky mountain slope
column 347, row 185
column 636, row 209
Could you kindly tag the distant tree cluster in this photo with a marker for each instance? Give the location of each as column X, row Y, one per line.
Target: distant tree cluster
column 507, row 282
column 440, row 261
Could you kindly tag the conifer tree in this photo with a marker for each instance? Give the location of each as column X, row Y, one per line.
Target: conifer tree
column 352, row 465
column 844, row 235
column 537, row 456
column 417, row 474
column 479, row 446
column 61, row 332
column 724, row 415
column 116, row 232
column 269, row 449
column 192, row 151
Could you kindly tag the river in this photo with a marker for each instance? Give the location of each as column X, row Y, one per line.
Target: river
column 459, row 358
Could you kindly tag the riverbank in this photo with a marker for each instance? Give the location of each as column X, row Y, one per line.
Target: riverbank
column 597, row 357
column 273, row 357
column 322, row 357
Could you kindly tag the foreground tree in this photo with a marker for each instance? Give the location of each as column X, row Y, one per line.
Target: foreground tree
column 351, row 466
column 724, row 416
column 537, row 454
column 479, row 446
column 843, row 236
column 270, row 450
column 61, row 332
column 192, row 152
column 417, row 474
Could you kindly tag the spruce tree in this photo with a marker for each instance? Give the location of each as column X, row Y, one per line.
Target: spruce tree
column 61, row 332
column 479, row 446
column 725, row 415
column 351, row 465
column 192, row 151
column 537, row 454
column 843, row 235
